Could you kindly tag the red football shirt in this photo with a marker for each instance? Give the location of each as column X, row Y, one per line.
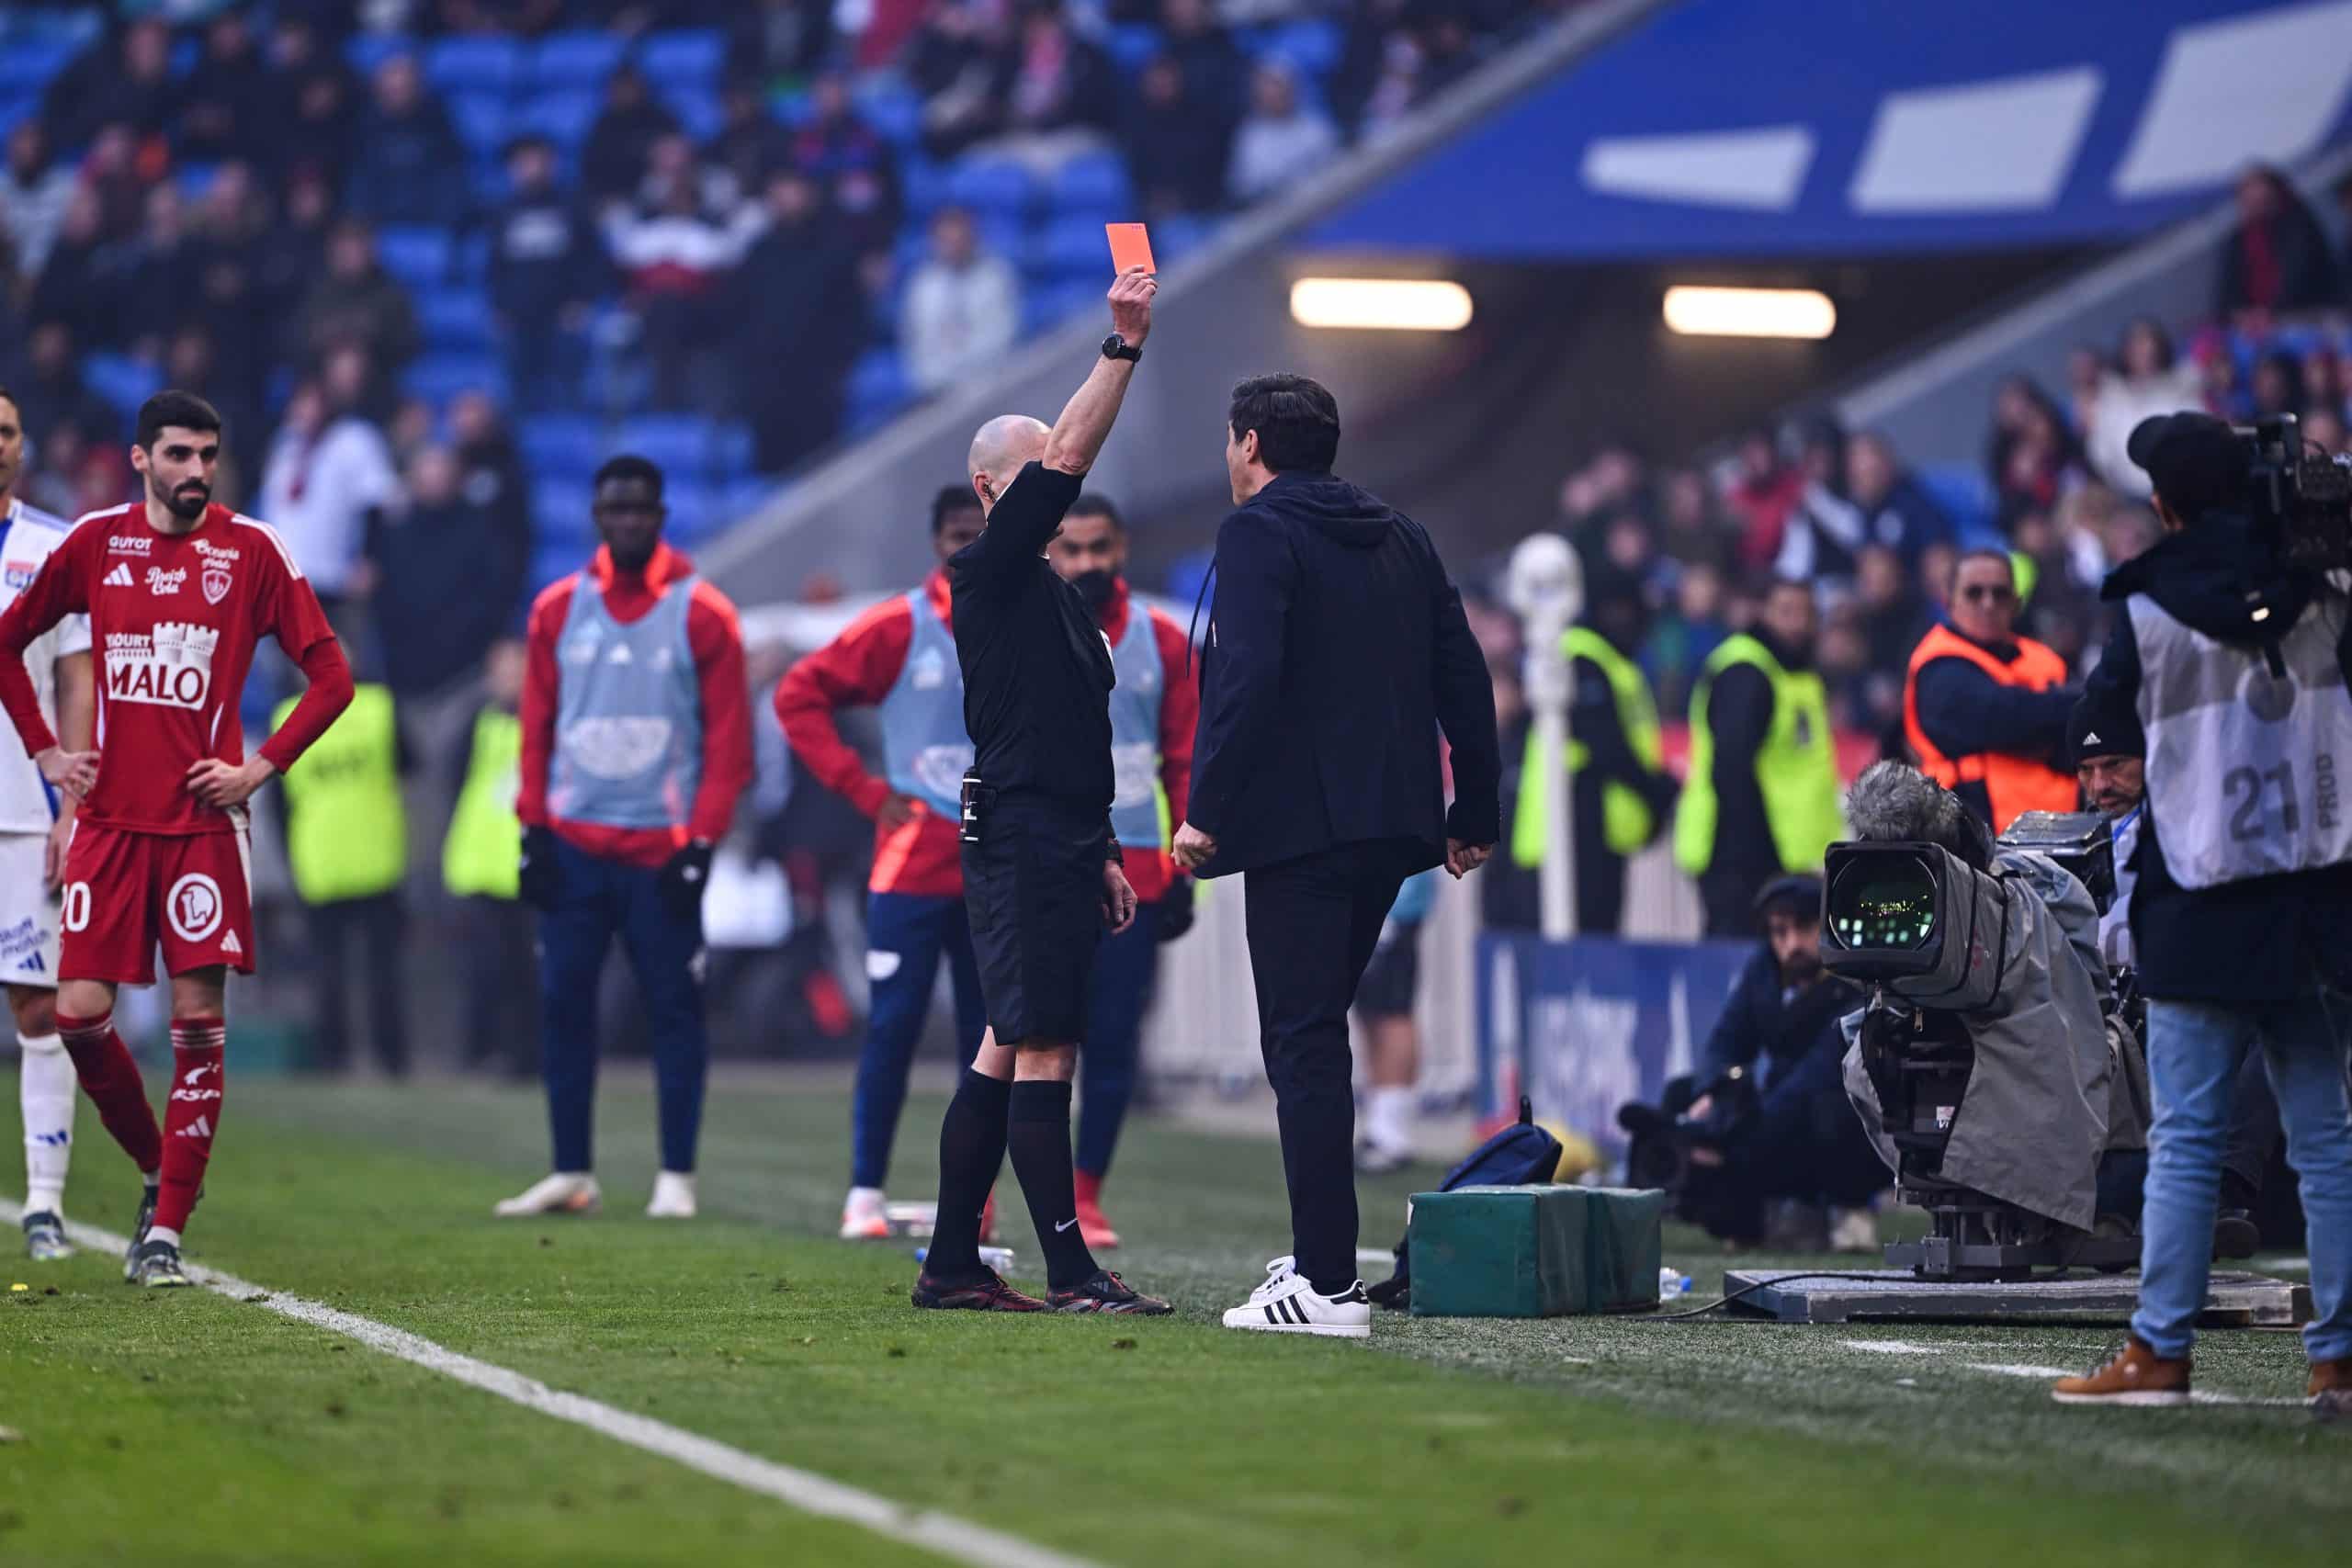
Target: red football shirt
column 173, row 622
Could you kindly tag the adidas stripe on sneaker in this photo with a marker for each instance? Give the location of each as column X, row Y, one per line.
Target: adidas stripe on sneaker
column 1286, row 1304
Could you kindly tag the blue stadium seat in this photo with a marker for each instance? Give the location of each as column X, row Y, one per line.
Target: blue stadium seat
column 473, row 62
column 195, row 179
column 731, row 448
column 26, row 64
column 694, row 509
column 1056, row 302
column 366, row 51
column 418, row 257
column 695, row 104
column 480, row 118
column 562, row 115
column 1963, row 492
column 574, row 59
column 14, row 109
column 1131, row 46
column 924, row 185
column 680, row 443
column 559, row 509
column 1069, row 248
column 989, row 185
column 744, row 496
column 120, row 381
column 551, row 561
column 687, row 56
column 892, row 107
column 1174, row 238
column 456, row 319
column 437, row 377
column 1095, row 184
column 1312, row 47
column 561, row 444
column 878, row 383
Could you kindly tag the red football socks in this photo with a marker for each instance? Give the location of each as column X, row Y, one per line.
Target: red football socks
column 190, row 1116
column 111, row 1079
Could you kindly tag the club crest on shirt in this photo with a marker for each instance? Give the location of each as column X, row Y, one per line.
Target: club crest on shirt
column 216, row 583
column 18, row 574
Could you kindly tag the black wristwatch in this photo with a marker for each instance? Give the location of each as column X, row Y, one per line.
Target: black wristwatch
column 1112, row 854
column 1116, row 347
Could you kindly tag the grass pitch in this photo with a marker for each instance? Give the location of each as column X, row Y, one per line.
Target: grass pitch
column 202, row 1430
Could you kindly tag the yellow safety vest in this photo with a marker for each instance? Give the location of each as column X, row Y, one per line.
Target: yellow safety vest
column 1626, row 823
column 483, row 852
column 1796, row 767
column 346, row 831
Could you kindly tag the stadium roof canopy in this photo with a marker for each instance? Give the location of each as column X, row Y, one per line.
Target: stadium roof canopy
column 1746, row 128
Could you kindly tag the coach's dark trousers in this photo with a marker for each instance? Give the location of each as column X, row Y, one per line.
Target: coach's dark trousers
column 1313, row 923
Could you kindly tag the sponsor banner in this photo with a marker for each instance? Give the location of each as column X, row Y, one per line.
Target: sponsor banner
column 1581, row 1027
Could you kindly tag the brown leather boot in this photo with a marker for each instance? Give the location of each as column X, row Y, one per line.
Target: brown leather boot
column 2329, row 1393
column 2133, row 1375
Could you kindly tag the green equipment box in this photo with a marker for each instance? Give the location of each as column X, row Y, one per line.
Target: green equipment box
column 1534, row 1251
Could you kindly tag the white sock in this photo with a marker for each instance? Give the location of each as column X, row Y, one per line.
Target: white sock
column 858, row 1195
column 46, row 1093
column 163, row 1233
column 1388, row 1117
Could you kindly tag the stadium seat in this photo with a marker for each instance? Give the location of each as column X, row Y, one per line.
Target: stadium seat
column 1067, row 248
column 1094, row 183
column 439, row 378
column 473, row 62
column 195, row 179
column 1056, row 302
column 878, row 383
column 730, row 448
column 418, row 257
column 892, row 107
column 120, row 381
column 695, row 104
column 562, row 115
column 27, row 64
column 924, row 185
column 680, row 443
column 1173, row 238
column 456, row 319
column 561, row 443
column 480, row 118
column 560, row 510
column 1312, row 47
column 989, row 185
column 1131, row 46
column 1963, row 492
column 694, row 509
column 573, row 59
column 554, row 560
column 745, row 496
column 684, row 57
column 366, row 51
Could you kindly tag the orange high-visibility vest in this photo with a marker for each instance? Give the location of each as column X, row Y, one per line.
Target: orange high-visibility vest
column 2011, row 784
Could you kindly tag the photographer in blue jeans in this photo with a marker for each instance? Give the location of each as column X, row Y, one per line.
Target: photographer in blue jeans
column 2230, row 657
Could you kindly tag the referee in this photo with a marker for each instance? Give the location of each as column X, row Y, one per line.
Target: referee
column 1041, row 868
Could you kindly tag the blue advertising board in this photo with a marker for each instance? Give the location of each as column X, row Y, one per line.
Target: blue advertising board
column 1583, row 1026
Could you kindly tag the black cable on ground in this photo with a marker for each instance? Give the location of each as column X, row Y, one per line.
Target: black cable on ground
column 1751, row 1290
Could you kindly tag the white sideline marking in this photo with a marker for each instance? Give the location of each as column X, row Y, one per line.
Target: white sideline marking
column 960, row 1540
column 1892, row 1348
column 2196, row 1396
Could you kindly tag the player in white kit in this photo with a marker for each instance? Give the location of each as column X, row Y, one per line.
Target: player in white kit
column 35, row 822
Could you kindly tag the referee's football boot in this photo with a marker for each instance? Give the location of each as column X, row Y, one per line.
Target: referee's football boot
column 156, row 1265
column 990, row 1294
column 45, row 1237
column 1105, row 1291
column 138, row 1234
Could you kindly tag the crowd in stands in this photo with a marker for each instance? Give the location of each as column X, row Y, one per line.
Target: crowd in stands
column 1879, row 537
column 435, row 257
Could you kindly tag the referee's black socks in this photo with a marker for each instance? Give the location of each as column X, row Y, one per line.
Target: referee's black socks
column 1039, row 1137
column 971, row 1152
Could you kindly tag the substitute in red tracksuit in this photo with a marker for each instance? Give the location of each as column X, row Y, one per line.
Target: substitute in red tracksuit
column 899, row 658
column 637, row 741
column 1153, row 709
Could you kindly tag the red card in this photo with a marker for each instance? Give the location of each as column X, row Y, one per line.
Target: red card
column 1130, row 248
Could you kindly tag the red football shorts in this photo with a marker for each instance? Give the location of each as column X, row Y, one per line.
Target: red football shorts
column 125, row 893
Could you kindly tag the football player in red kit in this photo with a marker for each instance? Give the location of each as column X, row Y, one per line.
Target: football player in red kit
column 178, row 591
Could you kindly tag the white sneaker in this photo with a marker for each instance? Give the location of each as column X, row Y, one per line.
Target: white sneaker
column 865, row 1216
column 673, row 1197
column 1286, row 1304
column 565, row 1193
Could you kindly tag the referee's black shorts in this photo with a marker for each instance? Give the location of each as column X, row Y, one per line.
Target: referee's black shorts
column 1032, row 886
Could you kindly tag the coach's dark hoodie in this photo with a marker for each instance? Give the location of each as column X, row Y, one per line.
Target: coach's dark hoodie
column 2266, row 938
column 1336, row 649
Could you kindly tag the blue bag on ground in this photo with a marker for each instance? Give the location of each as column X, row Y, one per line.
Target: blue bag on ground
column 1520, row 1155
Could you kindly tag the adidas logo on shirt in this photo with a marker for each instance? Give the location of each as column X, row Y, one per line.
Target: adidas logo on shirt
column 231, row 945
column 120, row 577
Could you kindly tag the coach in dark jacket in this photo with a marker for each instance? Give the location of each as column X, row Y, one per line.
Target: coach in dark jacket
column 1337, row 649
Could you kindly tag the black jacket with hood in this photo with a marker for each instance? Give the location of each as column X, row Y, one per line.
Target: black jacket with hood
column 2263, row 939
column 1337, row 649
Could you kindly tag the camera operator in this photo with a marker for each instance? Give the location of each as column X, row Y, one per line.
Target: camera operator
column 1795, row 1138
column 2235, row 663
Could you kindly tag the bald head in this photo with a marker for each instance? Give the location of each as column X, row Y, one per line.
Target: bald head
column 1001, row 449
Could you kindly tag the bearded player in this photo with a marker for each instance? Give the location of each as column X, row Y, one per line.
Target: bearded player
column 178, row 591
column 34, row 822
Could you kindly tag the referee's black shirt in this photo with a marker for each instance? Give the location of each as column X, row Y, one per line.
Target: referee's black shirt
column 1037, row 674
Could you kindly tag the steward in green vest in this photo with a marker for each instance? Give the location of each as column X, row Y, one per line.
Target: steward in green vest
column 1761, row 799
column 484, row 853
column 346, row 831
column 1620, row 794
